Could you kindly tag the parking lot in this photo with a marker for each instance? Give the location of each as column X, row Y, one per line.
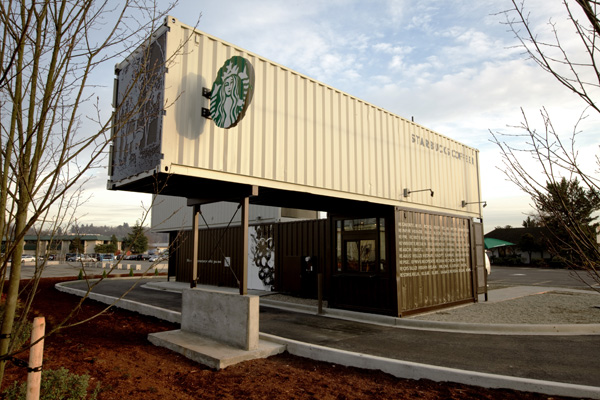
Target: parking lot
column 55, row 269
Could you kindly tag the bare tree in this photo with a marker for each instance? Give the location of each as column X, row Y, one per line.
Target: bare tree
column 54, row 132
column 557, row 154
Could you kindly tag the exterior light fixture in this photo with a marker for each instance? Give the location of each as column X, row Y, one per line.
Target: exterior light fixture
column 464, row 203
column 407, row 192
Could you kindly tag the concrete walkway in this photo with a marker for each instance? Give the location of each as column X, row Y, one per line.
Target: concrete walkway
column 566, row 364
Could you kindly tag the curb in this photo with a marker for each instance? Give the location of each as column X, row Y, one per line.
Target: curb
column 130, row 305
column 502, row 329
column 411, row 370
column 439, row 326
column 397, row 368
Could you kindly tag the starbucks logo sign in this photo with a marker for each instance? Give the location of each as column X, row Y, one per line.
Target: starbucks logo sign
column 231, row 92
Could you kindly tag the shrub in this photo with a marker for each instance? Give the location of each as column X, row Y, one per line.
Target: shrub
column 539, row 262
column 508, row 260
column 557, row 264
column 57, row 384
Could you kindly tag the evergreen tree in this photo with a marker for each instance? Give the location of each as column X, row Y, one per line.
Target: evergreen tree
column 76, row 246
column 114, row 244
column 136, row 241
column 567, row 209
column 528, row 243
column 530, row 222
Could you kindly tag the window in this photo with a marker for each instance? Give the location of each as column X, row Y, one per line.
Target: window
column 365, row 224
column 360, row 245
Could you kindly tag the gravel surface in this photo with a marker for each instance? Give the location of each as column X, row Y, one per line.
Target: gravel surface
column 553, row 307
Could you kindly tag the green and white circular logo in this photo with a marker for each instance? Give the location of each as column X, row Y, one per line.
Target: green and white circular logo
column 232, row 92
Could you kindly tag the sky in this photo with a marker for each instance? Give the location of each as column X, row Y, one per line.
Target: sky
column 452, row 65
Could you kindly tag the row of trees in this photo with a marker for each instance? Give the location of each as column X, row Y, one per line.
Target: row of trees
column 120, row 230
column 563, row 189
column 565, row 207
column 54, row 125
column 136, row 241
column 556, row 237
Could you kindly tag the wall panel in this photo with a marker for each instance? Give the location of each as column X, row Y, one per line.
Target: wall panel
column 434, row 265
column 298, row 135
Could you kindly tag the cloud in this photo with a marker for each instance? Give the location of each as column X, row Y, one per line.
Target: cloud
column 452, row 65
column 114, row 207
column 506, row 211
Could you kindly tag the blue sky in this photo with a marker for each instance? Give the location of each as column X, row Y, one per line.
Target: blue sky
column 451, row 65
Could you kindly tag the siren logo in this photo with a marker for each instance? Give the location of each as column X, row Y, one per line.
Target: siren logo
column 232, row 92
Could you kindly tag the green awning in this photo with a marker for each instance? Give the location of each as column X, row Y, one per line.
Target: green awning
column 490, row 243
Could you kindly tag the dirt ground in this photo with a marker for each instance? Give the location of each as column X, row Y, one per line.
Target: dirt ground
column 114, row 351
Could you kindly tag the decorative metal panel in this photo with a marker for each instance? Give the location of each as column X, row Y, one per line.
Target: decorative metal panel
column 433, row 260
column 139, row 105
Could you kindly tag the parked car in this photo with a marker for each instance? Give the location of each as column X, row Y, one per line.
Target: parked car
column 73, row 257
column 27, row 257
column 87, row 258
column 105, row 257
column 488, row 266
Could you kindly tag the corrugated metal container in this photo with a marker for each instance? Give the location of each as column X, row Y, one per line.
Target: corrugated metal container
column 434, row 265
column 298, row 134
column 290, row 240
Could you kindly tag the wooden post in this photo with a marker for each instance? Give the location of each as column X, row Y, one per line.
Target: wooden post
column 196, row 227
column 36, row 356
column 320, row 292
column 244, row 275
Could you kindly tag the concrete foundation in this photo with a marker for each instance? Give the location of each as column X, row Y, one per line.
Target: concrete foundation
column 212, row 353
column 218, row 329
column 226, row 317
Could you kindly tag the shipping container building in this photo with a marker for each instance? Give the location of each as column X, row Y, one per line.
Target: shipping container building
column 403, row 232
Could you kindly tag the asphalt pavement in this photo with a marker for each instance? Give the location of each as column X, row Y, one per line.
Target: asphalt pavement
column 552, row 364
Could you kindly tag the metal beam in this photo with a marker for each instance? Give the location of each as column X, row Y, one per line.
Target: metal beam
column 245, row 203
column 196, row 227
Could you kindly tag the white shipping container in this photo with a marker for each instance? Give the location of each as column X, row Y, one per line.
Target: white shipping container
column 298, row 135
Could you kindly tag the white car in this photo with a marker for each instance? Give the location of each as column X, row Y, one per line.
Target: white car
column 27, row 257
column 488, row 266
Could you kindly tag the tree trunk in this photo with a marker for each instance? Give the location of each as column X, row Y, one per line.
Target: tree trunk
column 12, row 294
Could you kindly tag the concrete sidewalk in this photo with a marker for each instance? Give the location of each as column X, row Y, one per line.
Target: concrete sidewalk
column 507, row 360
column 424, row 321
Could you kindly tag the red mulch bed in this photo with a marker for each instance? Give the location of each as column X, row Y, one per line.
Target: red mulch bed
column 114, row 351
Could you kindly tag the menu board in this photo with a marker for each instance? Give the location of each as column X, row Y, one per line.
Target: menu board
column 426, row 249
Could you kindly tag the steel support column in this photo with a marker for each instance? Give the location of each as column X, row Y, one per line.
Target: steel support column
column 245, row 203
column 196, row 227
